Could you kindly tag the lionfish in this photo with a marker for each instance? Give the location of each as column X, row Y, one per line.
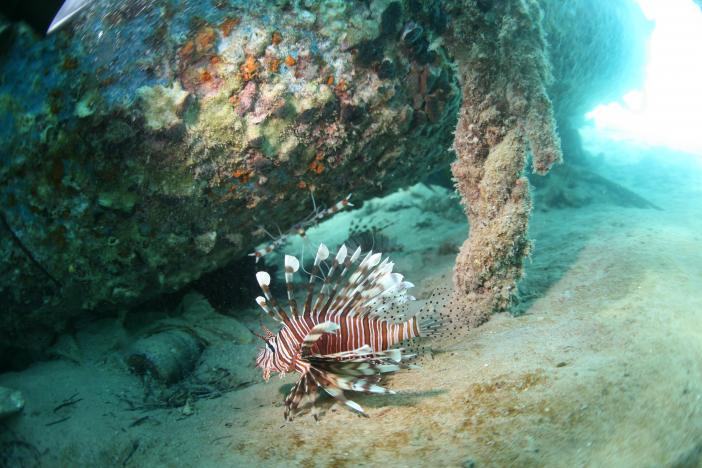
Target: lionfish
column 343, row 338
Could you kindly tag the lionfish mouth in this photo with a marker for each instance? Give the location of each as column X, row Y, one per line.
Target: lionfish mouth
column 345, row 337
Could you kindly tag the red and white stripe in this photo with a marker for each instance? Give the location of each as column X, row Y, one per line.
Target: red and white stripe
column 355, row 309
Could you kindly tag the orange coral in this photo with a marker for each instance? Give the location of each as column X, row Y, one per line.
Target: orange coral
column 330, row 80
column 242, row 175
column 205, row 39
column 341, row 86
column 276, row 38
column 290, row 61
column 227, row 26
column 274, row 65
column 317, row 167
column 215, row 60
column 249, row 69
column 205, row 76
column 187, row 49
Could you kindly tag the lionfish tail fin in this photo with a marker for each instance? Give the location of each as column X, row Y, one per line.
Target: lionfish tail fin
column 430, row 325
column 440, row 323
column 434, row 319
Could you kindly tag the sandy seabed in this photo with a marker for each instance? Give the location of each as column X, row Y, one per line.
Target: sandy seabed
column 603, row 368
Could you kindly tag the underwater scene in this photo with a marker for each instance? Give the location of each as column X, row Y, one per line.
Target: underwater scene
column 339, row 233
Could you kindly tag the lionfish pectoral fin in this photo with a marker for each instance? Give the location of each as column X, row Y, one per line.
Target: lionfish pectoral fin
column 356, row 407
column 328, row 384
column 306, row 387
column 359, row 370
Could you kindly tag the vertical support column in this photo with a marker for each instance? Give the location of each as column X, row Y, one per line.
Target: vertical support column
column 505, row 112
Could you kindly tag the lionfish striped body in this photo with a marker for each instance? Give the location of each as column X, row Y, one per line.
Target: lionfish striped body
column 342, row 338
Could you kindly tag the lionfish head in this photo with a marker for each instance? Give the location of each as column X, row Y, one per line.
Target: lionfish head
column 264, row 360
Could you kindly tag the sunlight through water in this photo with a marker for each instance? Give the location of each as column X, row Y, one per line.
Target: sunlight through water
column 667, row 110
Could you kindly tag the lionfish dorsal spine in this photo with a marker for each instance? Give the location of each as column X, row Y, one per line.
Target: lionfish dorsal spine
column 354, row 289
column 346, row 293
column 385, row 284
column 270, row 305
column 322, row 254
column 381, row 281
column 261, row 301
column 334, row 274
column 292, row 264
column 344, row 263
column 335, row 277
column 347, row 262
column 324, row 291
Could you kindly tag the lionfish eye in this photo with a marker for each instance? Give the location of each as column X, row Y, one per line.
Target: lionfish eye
column 270, row 347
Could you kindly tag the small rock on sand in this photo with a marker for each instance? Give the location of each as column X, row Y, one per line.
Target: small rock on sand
column 11, row 401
